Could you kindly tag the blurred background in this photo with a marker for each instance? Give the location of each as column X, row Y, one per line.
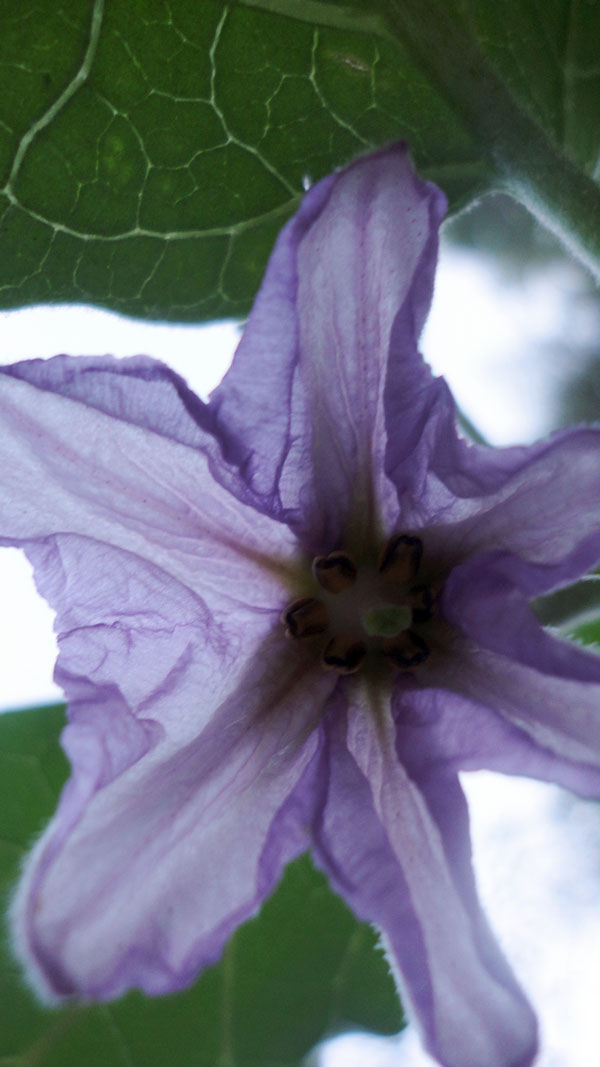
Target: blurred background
column 515, row 329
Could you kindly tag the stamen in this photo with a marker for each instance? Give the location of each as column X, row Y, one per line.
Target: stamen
column 305, row 617
column 344, row 654
column 335, row 572
column 407, row 650
column 401, row 559
column 421, row 599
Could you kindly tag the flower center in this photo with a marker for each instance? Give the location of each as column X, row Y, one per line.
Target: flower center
column 372, row 610
column 387, row 620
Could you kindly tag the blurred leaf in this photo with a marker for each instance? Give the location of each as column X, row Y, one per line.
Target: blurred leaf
column 547, row 55
column 501, row 229
column 572, row 609
column 525, row 80
column 302, row 969
column 588, row 633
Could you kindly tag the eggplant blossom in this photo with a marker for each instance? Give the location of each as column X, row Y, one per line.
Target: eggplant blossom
column 287, row 619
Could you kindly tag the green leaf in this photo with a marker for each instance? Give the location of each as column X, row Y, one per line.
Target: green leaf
column 572, row 609
column 302, row 969
column 525, row 80
column 150, row 150
column 588, row 633
column 140, row 172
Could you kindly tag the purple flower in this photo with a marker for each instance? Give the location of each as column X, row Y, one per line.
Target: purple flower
column 287, row 619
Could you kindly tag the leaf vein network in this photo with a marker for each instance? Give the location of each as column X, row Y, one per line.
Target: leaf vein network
column 50, row 114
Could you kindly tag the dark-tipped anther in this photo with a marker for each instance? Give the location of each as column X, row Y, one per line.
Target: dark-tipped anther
column 344, row 654
column 406, row 650
column 421, row 600
column 305, row 617
column 335, row 572
column 401, row 559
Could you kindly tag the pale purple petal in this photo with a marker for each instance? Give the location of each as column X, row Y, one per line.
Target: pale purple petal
column 139, row 390
column 559, row 714
column 488, row 599
column 139, row 880
column 440, row 732
column 399, row 864
column 304, row 399
column 69, row 467
column 439, row 476
column 547, row 508
column 541, row 502
column 142, row 644
column 168, row 592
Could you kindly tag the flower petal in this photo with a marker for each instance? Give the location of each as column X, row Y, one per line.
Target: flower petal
column 303, row 401
column 138, row 390
column 400, row 857
column 166, row 599
column 440, row 732
column 142, row 645
column 488, row 599
column 559, row 714
column 540, row 503
column 140, row 880
column 71, row 467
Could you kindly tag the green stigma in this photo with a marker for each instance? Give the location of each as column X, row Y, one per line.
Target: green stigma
column 387, row 620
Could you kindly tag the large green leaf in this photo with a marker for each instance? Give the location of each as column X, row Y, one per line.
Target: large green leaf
column 302, row 969
column 151, row 149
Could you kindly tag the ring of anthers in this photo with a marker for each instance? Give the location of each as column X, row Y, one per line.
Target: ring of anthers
column 367, row 608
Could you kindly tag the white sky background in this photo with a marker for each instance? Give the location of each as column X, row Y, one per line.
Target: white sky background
column 537, row 850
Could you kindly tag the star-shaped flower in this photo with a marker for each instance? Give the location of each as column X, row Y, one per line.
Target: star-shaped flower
column 287, row 619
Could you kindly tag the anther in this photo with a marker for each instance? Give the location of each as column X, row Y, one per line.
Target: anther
column 401, row 558
column 335, row 572
column 305, row 617
column 420, row 598
column 406, row 650
column 344, row 654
